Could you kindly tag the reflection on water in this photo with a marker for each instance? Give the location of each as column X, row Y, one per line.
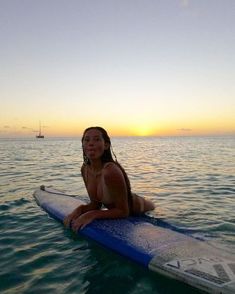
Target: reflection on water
column 191, row 181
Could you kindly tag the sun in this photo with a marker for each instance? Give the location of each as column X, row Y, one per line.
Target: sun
column 143, row 130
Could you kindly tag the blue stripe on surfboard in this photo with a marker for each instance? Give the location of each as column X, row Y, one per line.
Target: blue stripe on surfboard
column 95, row 232
column 121, row 246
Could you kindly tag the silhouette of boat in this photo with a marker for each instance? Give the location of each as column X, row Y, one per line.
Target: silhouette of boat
column 40, row 136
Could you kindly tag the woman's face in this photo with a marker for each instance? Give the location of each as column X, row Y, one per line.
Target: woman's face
column 93, row 144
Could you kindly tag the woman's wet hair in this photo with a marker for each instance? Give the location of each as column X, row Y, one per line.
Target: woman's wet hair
column 107, row 157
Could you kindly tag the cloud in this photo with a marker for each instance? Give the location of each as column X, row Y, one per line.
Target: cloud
column 184, row 130
column 6, row 127
column 29, row 129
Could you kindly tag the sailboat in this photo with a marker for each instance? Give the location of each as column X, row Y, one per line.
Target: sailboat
column 40, row 136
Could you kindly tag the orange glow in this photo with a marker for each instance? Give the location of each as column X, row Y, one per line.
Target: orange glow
column 70, row 127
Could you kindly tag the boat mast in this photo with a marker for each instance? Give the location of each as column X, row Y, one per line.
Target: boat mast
column 40, row 132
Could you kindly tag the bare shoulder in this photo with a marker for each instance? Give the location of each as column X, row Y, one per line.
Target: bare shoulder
column 112, row 172
column 111, row 167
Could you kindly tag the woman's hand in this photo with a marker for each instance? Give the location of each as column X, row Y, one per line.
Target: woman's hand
column 67, row 220
column 72, row 216
column 83, row 220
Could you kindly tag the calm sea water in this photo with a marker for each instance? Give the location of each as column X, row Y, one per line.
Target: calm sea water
column 191, row 181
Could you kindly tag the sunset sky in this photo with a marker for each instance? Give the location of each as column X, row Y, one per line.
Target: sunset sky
column 135, row 67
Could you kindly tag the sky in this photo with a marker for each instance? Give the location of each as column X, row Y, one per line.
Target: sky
column 134, row 67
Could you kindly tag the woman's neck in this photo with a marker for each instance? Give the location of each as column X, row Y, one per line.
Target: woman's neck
column 96, row 166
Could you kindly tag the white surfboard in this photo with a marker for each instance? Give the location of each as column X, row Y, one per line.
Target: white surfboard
column 162, row 250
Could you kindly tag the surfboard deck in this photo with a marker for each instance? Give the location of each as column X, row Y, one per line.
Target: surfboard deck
column 162, row 250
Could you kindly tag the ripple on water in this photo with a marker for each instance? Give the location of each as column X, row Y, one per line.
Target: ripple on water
column 33, row 252
column 191, row 181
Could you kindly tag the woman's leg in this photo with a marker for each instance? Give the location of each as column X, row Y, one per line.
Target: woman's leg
column 141, row 205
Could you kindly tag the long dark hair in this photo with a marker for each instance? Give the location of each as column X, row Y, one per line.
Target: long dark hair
column 107, row 157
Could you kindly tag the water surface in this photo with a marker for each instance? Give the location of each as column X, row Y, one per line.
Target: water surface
column 191, row 181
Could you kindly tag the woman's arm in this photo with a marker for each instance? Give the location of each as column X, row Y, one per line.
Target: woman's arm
column 91, row 215
column 81, row 209
column 117, row 190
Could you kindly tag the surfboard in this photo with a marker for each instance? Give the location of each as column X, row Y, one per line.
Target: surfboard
column 160, row 249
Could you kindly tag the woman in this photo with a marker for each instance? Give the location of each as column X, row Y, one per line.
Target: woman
column 106, row 183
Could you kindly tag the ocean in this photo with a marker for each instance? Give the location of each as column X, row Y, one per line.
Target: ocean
column 191, row 180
